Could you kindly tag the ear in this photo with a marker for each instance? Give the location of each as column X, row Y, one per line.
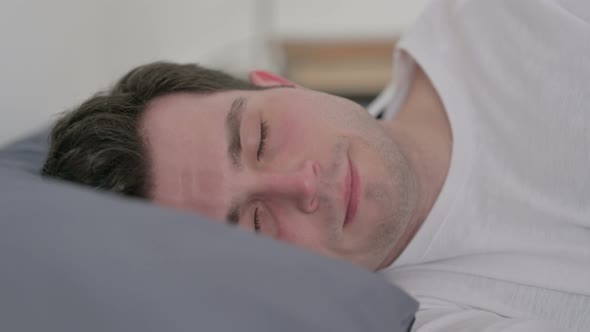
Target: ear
column 264, row 78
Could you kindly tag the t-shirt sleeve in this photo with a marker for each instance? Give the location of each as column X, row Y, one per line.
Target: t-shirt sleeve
column 578, row 8
column 437, row 316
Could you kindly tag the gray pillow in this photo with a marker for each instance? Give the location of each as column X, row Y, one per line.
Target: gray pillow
column 77, row 260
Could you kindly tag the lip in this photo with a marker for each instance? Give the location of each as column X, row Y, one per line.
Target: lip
column 351, row 192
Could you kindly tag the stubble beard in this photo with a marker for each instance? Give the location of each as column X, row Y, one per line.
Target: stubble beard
column 395, row 196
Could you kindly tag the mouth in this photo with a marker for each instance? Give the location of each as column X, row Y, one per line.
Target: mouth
column 351, row 192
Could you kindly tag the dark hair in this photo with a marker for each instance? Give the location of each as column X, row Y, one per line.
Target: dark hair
column 99, row 143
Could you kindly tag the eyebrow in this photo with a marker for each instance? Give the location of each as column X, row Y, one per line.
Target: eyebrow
column 233, row 123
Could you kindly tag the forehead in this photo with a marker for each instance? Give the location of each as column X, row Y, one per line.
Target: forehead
column 187, row 146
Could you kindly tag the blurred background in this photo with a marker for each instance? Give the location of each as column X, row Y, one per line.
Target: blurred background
column 54, row 54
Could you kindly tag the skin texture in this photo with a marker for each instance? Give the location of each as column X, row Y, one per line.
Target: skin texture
column 297, row 188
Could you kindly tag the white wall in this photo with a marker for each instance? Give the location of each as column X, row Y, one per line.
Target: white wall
column 345, row 19
column 56, row 53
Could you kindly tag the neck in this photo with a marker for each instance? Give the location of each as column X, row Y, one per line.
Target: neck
column 422, row 131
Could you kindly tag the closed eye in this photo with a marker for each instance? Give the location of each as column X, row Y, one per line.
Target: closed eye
column 256, row 221
column 263, row 137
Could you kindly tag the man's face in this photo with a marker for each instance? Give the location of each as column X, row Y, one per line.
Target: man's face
column 327, row 176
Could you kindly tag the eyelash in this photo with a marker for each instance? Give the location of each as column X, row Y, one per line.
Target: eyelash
column 256, row 221
column 259, row 154
column 263, row 136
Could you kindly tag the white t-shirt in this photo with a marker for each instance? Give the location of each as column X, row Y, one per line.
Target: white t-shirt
column 506, row 246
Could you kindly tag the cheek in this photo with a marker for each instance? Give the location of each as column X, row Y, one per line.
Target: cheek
column 302, row 130
column 302, row 232
column 288, row 132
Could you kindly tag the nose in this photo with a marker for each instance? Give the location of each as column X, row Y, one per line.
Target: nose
column 299, row 185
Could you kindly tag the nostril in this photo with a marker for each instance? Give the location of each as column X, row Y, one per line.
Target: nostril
column 316, row 168
column 313, row 204
column 311, row 186
column 311, row 178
